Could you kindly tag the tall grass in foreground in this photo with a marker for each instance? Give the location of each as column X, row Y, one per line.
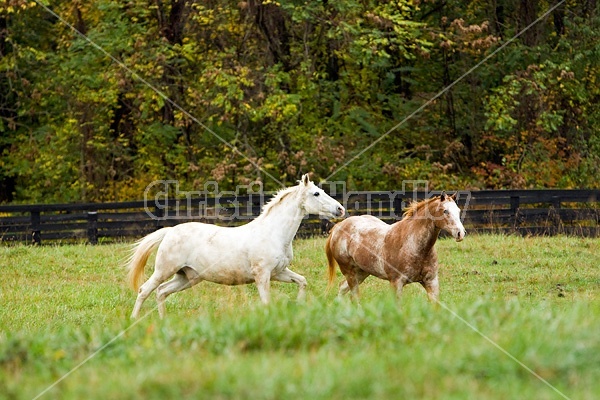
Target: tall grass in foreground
column 537, row 298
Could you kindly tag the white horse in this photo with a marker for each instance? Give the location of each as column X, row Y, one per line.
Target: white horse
column 256, row 252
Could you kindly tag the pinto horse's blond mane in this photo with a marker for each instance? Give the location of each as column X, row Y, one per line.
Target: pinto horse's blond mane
column 416, row 206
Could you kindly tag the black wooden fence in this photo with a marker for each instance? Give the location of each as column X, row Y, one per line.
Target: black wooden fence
column 525, row 212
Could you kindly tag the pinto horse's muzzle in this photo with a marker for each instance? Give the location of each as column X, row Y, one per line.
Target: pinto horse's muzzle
column 460, row 235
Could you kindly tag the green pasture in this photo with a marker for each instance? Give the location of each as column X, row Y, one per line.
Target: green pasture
column 519, row 319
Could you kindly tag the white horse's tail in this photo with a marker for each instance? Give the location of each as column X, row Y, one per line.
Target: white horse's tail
column 139, row 256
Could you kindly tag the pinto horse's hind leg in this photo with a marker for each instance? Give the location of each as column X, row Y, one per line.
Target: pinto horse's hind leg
column 353, row 280
column 185, row 278
column 289, row 276
column 344, row 288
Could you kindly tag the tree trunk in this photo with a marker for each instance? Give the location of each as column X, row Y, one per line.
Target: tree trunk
column 528, row 14
column 271, row 21
column 559, row 19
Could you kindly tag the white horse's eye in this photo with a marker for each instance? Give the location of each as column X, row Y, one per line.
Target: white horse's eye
column 316, row 194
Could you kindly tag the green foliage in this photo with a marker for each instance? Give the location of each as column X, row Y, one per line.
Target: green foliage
column 294, row 87
column 534, row 117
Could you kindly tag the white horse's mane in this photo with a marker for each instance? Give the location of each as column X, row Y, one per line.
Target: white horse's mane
column 277, row 199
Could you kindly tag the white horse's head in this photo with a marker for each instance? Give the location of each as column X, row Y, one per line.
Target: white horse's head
column 316, row 201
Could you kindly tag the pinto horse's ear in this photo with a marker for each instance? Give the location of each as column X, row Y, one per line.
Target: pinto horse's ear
column 305, row 179
column 453, row 197
column 443, row 196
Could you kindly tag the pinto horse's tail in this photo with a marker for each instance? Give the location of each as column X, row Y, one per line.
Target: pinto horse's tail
column 331, row 263
column 139, row 256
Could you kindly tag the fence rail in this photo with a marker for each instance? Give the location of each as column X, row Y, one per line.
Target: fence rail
column 525, row 212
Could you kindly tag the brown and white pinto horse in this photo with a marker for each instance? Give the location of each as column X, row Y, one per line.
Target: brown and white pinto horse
column 401, row 253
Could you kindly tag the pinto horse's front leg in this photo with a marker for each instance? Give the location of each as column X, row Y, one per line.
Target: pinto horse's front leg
column 433, row 289
column 289, row 276
column 398, row 284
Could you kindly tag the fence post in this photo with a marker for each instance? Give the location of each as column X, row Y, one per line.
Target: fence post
column 36, row 227
column 159, row 214
column 92, row 227
column 556, row 202
column 555, row 213
column 325, row 226
column 397, row 207
column 514, row 210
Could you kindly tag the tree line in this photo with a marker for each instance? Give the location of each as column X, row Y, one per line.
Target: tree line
column 112, row 95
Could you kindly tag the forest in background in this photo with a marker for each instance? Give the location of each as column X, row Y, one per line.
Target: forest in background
column 286, row 87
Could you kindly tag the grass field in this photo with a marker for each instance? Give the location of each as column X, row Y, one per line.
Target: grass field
column 515, row 312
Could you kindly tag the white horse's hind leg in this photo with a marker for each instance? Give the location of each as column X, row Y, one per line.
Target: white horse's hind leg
column 289, row 276
column 180, row 281
column 145, row 290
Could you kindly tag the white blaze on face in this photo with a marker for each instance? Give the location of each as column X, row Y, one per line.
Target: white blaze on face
column 455, row 226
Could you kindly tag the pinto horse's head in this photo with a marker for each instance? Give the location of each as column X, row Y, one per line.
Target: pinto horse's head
column 316, row 201
column 448, row 217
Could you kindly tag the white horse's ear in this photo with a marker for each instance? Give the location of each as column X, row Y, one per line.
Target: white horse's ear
column 305, row 179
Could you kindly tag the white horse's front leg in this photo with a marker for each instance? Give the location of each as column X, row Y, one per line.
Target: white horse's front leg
column 262, row 277
column 289, row 276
